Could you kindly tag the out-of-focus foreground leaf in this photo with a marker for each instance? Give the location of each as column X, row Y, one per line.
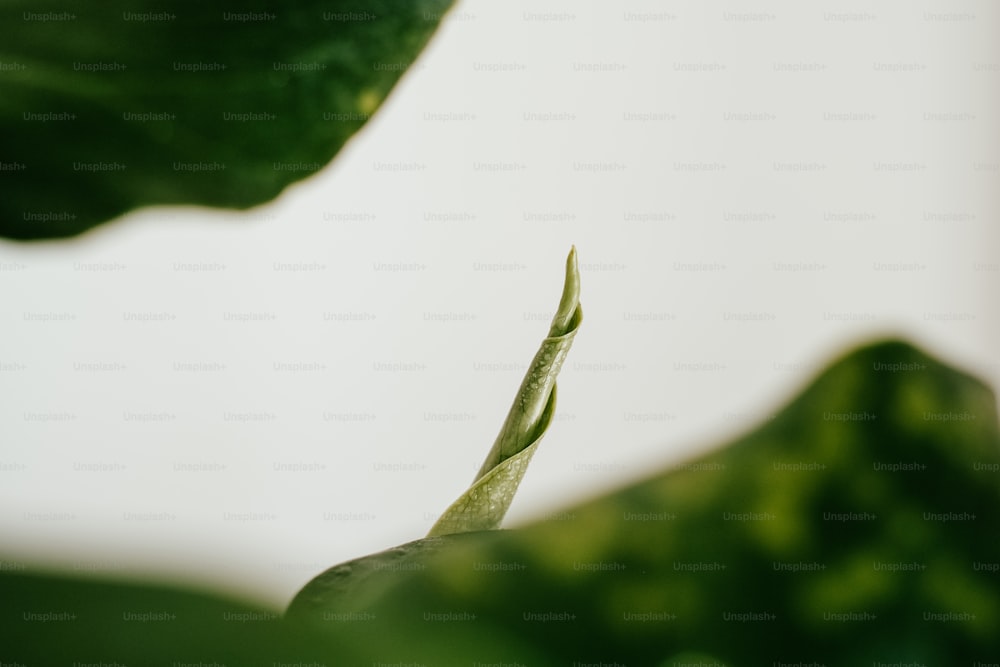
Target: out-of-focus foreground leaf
column 110, row 106
column 857, row 526
column 52, row 620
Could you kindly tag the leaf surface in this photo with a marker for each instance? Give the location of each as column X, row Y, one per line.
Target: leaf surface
column 110, row 106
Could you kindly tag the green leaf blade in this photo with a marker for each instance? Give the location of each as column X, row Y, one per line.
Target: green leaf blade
column 101, row 114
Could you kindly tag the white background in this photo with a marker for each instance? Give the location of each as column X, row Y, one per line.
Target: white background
column 752, row 188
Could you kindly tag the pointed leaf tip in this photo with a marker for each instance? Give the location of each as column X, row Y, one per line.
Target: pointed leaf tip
column 568, row 314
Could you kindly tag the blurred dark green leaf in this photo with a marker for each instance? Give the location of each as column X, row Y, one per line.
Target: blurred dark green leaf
column 51, row 620
column 858, row 526
column 106, row 107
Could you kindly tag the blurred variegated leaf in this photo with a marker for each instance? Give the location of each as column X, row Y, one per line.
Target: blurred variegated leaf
column 857, row 526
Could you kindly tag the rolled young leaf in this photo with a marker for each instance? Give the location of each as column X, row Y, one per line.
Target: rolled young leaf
column 484, row 504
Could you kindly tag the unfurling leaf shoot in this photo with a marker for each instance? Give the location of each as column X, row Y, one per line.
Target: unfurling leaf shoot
column 484, row 504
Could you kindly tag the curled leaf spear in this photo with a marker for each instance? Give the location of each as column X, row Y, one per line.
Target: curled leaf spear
column 484, row 504
column 357, row 583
